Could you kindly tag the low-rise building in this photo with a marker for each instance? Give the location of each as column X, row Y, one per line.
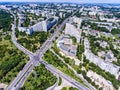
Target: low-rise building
column 66, row 46
column 104, row 65
column 99, row 80
column 103, row 44
column 92, row 13
column 110, row 57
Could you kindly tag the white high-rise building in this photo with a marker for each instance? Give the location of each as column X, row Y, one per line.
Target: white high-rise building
column 61, row 14
column 78, row 21
column 72, row 31
column 44, row 26
column 41, row 26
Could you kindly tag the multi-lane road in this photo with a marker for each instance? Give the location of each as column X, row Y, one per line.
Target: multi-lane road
column 15, row 40
column 37, row 58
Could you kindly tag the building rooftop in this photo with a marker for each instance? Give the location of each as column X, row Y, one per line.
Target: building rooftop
column 67, row 41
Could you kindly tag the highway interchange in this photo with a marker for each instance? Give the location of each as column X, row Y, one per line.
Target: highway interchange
column 36, row 58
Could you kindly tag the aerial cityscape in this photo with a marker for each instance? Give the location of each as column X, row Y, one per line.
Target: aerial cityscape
column 59, row 45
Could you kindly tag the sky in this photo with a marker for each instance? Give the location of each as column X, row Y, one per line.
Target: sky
column 76, row 1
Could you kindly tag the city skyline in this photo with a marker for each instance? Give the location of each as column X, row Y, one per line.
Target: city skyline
column 60, row 45
column 74, row 1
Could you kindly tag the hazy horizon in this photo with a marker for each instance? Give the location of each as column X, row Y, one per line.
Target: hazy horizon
column 69, row 1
